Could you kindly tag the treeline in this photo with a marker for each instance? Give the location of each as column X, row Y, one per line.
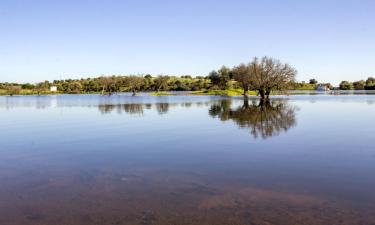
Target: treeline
column 369, row 84
column 261, row 75
column 112, row 84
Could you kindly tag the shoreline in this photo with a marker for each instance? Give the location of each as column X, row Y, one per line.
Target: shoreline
column 223, row 93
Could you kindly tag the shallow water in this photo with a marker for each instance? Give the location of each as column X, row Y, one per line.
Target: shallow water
column 90, row 159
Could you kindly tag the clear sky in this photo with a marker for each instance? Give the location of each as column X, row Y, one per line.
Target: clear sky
column 50, row 39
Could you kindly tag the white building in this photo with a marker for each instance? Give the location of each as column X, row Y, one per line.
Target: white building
column 322, row 87
column 53, row 88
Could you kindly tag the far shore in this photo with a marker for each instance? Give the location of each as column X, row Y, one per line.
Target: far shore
column 226, row 93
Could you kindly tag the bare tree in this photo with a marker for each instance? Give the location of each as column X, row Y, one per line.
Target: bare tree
column 264, row 76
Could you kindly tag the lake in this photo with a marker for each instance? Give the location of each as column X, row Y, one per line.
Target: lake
column 91, row 159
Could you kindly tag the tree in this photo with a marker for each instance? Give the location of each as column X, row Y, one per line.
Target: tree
column 148, row 76
column 41, row 87
column 370, row 83
column 108, row 85
column 359, row 85
column 161, row 83
column 225, row 75
column 221, row 77
column 13, row 90
column 313, row 81
column 264, row 76
column 346, row 85
column 214, row 78
column 134, row 83
column 243, row 76
column 74, row 87
column 27, row 86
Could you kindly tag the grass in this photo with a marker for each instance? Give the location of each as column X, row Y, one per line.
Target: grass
column 161, row 93
column 229, row 92
column 27, row 92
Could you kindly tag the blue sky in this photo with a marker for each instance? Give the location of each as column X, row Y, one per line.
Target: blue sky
column 47, row 40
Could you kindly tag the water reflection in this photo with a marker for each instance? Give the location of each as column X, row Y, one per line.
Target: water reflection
column 132, row 109
column 263, row 118
column 86, row 159
column 162, row 108
column 139, row 108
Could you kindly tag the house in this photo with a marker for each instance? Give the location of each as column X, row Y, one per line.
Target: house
column 53, row 89
column 322, row 87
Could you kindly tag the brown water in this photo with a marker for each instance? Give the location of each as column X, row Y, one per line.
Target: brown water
column 187, row 160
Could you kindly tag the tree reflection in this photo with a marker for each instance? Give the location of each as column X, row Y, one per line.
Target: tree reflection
column 133, row 109
column 263, row 118
column 162, row 108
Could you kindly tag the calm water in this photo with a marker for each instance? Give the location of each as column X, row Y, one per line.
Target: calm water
column 93, row 159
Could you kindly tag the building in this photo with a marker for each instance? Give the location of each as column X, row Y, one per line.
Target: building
column 322, row 87
column 53, row 88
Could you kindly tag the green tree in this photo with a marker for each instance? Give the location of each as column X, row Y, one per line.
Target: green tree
column 13, row 90
column 134, row 83
column 313, row 81
column 161, row 83
column 370, row 83
column 346, row 85
column 242, row 75
column 108, row 85
column 359, row 85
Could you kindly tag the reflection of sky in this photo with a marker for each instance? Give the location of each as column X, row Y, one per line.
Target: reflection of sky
column 330, row 150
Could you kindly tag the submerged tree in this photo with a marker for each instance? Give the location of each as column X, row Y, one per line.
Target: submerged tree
column 263, row 118
column 264, row 76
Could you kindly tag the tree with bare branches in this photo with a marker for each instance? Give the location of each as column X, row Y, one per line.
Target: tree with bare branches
column 264, row 75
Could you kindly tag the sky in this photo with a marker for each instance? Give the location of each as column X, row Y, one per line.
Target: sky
column 42, row 40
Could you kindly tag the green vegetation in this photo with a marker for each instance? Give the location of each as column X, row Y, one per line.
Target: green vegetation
column 260, row 77
column 161, row 93
column 369, row 84
column 228, row 92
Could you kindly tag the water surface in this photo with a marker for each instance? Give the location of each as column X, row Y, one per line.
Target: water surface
column 91, row 159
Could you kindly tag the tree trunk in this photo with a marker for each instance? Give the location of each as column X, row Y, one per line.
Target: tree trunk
column 262, row 93
column 245, row 90
column 134, row 93
column 268, row 92
column 245, row 103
